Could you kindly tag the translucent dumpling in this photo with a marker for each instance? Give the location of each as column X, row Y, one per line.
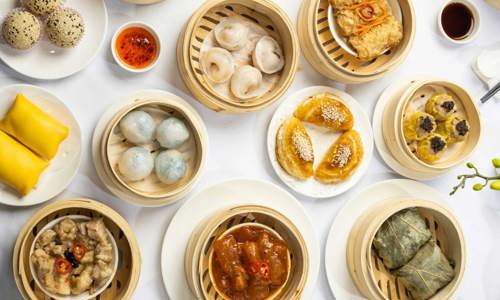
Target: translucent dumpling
column 170, row 166
column 172, row 133
column 217, row 64
column 268, row 56
column 138, row 127
column 231, row 34
column 245, row 82
column 136, row 163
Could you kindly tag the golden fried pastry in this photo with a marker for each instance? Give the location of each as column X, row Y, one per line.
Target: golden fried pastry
column 454, row 129
column 372, row 40
column 294, row 149
column 418, row 126
column 440, row 106
column 325, row 110
column 431, row 148
column 355, row 18
column 342, row 159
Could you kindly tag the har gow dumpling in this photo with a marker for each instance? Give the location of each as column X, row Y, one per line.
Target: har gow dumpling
column 231, row 34
column 217, row 64
column 170, row 166
column 138, row 127
column 245, row 82
column 136, row 163
column 172, row 133
column 268, row 56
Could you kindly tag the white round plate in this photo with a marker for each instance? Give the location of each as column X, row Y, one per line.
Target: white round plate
column 64, row 165
column 321, row 139
column 143, row 2
column 47, row 61
column 86, row 295
column 337, row 271
column 218, row 196
column 395, row 90
column 342, row 41
column 104, row 121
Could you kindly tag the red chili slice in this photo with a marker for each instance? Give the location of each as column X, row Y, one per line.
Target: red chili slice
column 62, row 265
column 79, row 251
column 259, row 269
column 254, row 268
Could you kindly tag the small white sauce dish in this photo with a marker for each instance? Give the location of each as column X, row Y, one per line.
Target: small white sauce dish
column 148, row 28
column 476, row 23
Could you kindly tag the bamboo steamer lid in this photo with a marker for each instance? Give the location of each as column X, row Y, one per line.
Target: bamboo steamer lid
column 367, row 270
column 394, row 115
column 199, row 250
column 332, row 61
column 209, row 14
column 129, row 268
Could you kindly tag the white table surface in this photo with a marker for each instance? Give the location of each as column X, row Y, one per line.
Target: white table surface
column 237, row 142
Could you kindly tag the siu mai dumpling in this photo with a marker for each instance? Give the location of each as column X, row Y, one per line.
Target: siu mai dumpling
column 400, row 237
column 34, row 128
column 427, row 272
column 294, row 149
column 431, row 148
column 373, row 42
column 418, row 126
column 19, row 167
column 455, row 129
column 342, row 159
column 441, row 106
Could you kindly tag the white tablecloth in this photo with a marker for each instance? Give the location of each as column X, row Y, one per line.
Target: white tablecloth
column 237, row 142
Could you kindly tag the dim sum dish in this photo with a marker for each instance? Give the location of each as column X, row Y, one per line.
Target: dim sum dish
column 253, row 253
column 150, row 150
column 406, row 248
column 320, row 139
column 238, row 56
column 76, row 249
column 40, row 145
column 430, row 126
column 356, row 41
column 74, row 256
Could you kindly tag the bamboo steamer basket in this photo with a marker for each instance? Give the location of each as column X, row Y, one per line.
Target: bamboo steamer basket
column 332, row 61
column 494, row 3
column 367, row 270
column 203, row 21
column 151, row 191
column 200, row 247
column 394, row 115
column 129, row 267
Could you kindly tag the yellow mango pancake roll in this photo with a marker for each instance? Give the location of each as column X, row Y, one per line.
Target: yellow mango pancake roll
column 34, row 128
column 19, row 167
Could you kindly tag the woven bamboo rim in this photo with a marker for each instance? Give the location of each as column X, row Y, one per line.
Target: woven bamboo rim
column 121, row 189
column 328, row 57
column 198, row 252
column 394, row 136
column 264, row 12
column 367, row 270
column 127, row 275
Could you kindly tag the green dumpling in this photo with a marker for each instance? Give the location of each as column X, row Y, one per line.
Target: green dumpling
column 400, row 237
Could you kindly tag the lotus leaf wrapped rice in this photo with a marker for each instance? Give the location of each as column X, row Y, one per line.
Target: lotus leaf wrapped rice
column 427, row 272
column 400, row 237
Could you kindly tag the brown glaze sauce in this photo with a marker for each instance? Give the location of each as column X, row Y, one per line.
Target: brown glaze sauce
column 457, row 20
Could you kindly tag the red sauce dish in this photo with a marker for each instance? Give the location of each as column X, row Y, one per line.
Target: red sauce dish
column 136, row 47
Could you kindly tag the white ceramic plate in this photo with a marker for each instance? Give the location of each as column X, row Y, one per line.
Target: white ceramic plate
column 337, row 271
column 64, row 165
column 396, row 89
column 142, row 2
column 342, row 41
column 86, row 295
column 221, row 195
column 322, row 139
column 46, row 61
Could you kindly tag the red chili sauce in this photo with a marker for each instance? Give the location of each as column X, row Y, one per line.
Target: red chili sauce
column 136, row 47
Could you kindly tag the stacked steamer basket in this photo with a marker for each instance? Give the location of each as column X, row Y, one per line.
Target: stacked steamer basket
column 151, row 191
column 199, row 251
column 367, row 270
column 495, row 3
column 129, row 265
column 326, row 55
column 392, row 128
column 264, row 13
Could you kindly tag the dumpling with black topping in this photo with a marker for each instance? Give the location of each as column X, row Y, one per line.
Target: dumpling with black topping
column 418, row 126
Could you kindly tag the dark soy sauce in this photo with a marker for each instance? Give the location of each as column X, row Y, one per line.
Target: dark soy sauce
column 457, row 20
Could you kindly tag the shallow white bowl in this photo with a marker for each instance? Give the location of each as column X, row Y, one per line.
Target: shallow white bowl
column 85, row 295
column 148, row 28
